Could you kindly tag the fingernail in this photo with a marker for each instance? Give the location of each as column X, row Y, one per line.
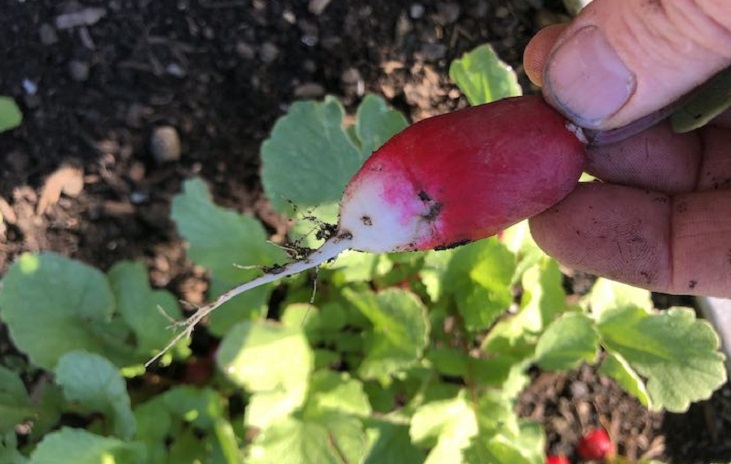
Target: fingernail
column 586, row 79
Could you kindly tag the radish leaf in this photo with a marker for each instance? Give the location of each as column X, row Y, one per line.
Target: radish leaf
column 338, row 439
column 15, row 405
column 616, row 367
column 675, row 352
column 400, row 331
column 140, row 306
column 312, row 141
column 220, row 240
column 10, row 115
column 478, row 278
column 265, row 357
column 483, row 77
column 390, row 444
column 75, row 446
column 446, row 427
column 567, row 342
column 93, row 383
column 53, row 305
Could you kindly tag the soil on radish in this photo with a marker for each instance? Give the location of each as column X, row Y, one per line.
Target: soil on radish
column 238, row 67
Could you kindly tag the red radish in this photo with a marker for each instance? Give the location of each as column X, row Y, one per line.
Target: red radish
column 557, row 459
column 446, row 181
column 595, row 445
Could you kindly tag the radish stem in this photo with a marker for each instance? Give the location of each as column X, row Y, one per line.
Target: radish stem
column 329, row 250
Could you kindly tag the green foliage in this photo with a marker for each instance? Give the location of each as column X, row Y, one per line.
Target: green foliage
column 483, row 77
column 401, row 358
column 228, row 244
column 312, row 145
column 94, row 383
column 10, row 115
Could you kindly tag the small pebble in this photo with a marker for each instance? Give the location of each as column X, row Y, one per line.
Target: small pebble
column 165, row 144
column 175, row 70
column 448, row 12
column 416, row 11
column 351, row 76
column 268, row 52
column 245, row 50
column 316, row 7
column 47, row 34
column 79, row 70
column 309, row 90
column 433, row 51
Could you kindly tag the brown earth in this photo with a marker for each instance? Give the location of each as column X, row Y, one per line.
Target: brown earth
column 81, row 176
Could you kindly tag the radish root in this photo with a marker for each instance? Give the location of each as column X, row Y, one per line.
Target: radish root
column 329, row 250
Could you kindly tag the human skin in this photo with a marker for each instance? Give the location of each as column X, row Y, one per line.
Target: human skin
column 660, row 216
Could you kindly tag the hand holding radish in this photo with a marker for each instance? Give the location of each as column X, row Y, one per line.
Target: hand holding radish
column 662, row 220
column 446, row 181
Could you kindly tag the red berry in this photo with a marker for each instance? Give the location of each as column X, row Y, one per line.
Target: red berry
column 557, row 459
column 595, row 445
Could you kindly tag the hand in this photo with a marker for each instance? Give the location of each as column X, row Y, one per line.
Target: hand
column 661, row 219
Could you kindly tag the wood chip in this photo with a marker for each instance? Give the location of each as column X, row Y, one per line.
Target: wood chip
column 67, row 180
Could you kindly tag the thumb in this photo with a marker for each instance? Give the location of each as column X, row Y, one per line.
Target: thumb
column 620, row 60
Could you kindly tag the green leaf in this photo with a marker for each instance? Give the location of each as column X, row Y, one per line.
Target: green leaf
column 400, row 331
column 9, row 453
column 220, row 240
column 527, row 447
column 543, row 300
column 309, row 157
column 74, row 446
column 336, row 392
column 10, row 114
column 674, row 351
column 53, row 305
column 95, row 384
column 616, row 367
column 376, row 123
column 140, row 306
column 712, row 99
column 478, row 278
column 567, row 342
column 263, row 356
column 15, row 405
column 446, row 427
column 607, row 294
column 483, row 77
column 390, row 444
column 338, row 440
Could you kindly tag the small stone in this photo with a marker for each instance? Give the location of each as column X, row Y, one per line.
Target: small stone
column 433, row 51
column 79, row 70
column 268, row 52
column 245, row 50
column 85, row 17
column 351, row 76
column 309, row 90
column 175, row 70
column 165, row 144
column 416, row 11
column 289, row 17
column 448, row 12
column 316, row 7
column 47, row 34
column 480, row 9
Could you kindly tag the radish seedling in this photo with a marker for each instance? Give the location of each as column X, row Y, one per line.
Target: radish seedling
column 446, row 181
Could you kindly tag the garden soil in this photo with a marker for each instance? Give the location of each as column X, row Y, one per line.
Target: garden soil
column 124, row 99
